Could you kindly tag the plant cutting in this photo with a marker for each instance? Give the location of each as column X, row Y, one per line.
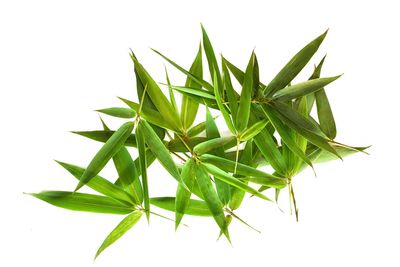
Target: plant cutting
column 215, row 168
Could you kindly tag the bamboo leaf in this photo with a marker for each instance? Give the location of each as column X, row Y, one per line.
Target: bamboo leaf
column 230, row 92
column 126, row 113
column 253, row 130
column 192, row 76
column 159, row 150
column 304, row 88
column 157, row 97
column 243, row 113
column 294, row 66
column 343, row 151
column 211, row 198
column 222, row 175
column 243, row 170
column 171, row 93
column 325, row 115
column 127, row 223
column 284, row 132
column 140, row 139
column 128, row 175
column 104, row 136
column 222, row 108
column 99, row 184
column 83, row 202
column 189, row 107
column 212, row 144
column 182, row 194
column 194, row 92
column 194, row 207
column 197, row 129
column 109, row 149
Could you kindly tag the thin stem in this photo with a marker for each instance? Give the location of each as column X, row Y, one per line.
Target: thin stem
column 237, row 154
column 166, row 218
column 186, row 145
column 177, row 155
column 242, row 221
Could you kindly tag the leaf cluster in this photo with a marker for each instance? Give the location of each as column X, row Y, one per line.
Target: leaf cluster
column 268, row 124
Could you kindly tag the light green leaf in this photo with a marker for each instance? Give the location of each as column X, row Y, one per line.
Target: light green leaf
column 243, row 170
column 212, row 144
column 126, row 113
column 194, row 207
column 140, row 139
column 127, row 223
column 197, row 129
column 83, row 202
column 99, row 184
column 294, row 66
column 109, row 149
column 104, row 136
column 182, row 194
column 223, row 109
column 225, row 177
column 159, row 150
column 195, row 92
column 230, row 92
column 210, row 196
column 171, row 93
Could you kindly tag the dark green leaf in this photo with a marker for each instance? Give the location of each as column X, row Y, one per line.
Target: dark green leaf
column 294, row 66
column 182, row 194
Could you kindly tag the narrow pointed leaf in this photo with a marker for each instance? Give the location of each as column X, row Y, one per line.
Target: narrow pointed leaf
column 194, row 92
column 243, row 112
column 194, row 207
column 189, row 107
column 159, row 150
column 126, row 113
column 227, row 178
column 325, row 115
column 171, row 93
column 243, row 170
column 223, row 109
column 83, row 202
column 140, row 139
column 230, row 92
column 294, row 66
column 109, row 149
column 253, row 130
column 182, row 194
column 127, row 223
column 104, row 136
column 212, row 144
column 197, row 129
column 304, row 88
column 211, row 198
column 325, row 156
column 99, row 184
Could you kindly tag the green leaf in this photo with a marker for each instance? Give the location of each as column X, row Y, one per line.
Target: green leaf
column 194, row 207
column 157, row 97
column 140, row 139
column 230, row 92
column 189, row 107
column 109, row 149
column 223, row 109
column 176, row 145
column 325, row 115
column 210, row 196
column 159, row 150
column 192, row 76
column 212, row 61
column 343, row 151
column 304, row 88
column 243, row 112
column 126, row 113
column 104, row 136
column 194, row 92
column 294, row 66
column 239, row 74
column 287, row 138
column 99, row 184
column 243, row 169
column 128, row 175
column 182, row 194
column 212, row 144
column 83, row 202
column 225, row 177
column 152, row 116
column 127, row 223
column 171, row 93
column 197, row 129
column 223, row 189
column 253, row 130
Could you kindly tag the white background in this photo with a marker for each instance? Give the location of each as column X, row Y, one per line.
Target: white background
column 59, row 60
